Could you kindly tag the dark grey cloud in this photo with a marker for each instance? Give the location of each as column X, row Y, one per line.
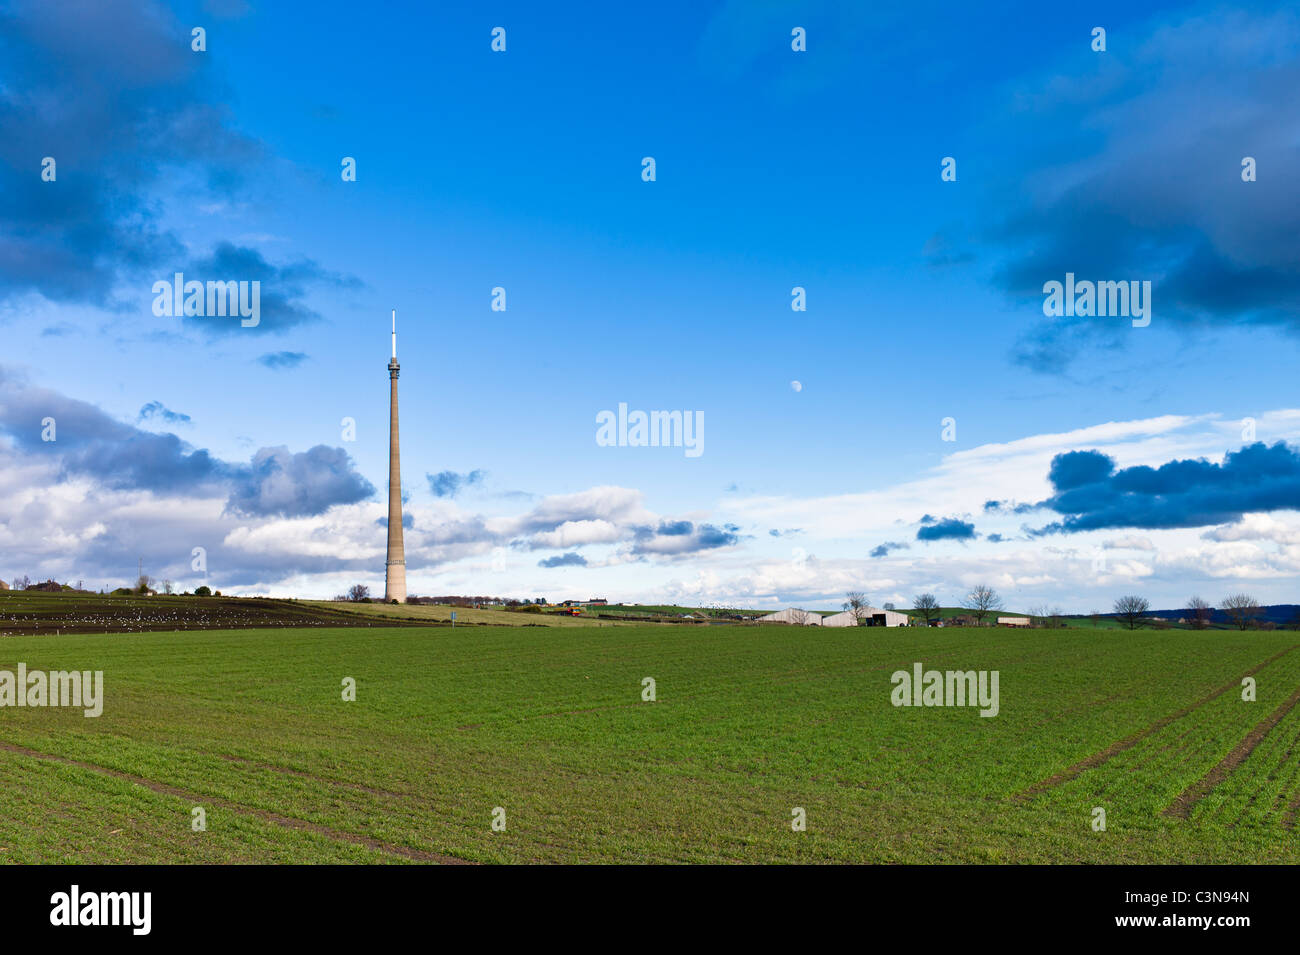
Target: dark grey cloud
column 571, row 559
column 281, row 483
column 88, row 441
column 679, row 538
column 118, row 455
column 112, row 92
column 883, row 550
column 282, row 359
column 950, row 528
column 1092, row 493
column 282, row 289
column 156, row 409
column 451, row 483
column 1134, row 173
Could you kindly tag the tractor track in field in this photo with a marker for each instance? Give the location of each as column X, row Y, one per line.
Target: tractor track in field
column 1128, row 742
column 245, row 763
column 1181, row 807
column 286, row 822
column 1293, row 810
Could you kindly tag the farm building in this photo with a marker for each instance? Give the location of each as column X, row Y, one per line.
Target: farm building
column 871, row 617
column 3, row 585
column 1013, row 621
column 793, row 615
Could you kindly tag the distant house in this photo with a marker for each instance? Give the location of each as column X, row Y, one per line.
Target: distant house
column 597, row 602
column 1013, row 621
column 962, row 620
column 870, row 617
column 793, row 615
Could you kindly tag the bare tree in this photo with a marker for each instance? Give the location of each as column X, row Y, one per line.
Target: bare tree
column 1131, row 610
column 358, row 593
column 858, row 606
column 927, row 606
column 1242, row 610
column 168, row 587
column 982, row 601
column 144, row 584
column 1198, row 612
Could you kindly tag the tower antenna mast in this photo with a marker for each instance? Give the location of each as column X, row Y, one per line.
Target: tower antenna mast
column 395, row 578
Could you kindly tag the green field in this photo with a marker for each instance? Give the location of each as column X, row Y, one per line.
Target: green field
column 750, row 722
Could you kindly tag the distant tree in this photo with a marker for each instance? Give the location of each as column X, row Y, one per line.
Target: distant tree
column 1198, row 612
column 168, row 588
column 889, row 605
column 1048, row 616
column 358, row 593
column 23, row 584
column 1131, row 610
column 203, row 590
column 144, row 584
column 1242, row 609
column 858, row 606
column 927, row 606
column 981, row 601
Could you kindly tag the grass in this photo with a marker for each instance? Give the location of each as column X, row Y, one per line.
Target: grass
column 750, row 722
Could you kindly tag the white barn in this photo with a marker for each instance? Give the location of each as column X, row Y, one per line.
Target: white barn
column 871, row 618
column 793, row 615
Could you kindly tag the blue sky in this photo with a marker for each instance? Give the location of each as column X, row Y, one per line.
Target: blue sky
column 774, row 169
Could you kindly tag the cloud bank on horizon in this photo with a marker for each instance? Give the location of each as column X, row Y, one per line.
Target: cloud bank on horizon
column 303, row 521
